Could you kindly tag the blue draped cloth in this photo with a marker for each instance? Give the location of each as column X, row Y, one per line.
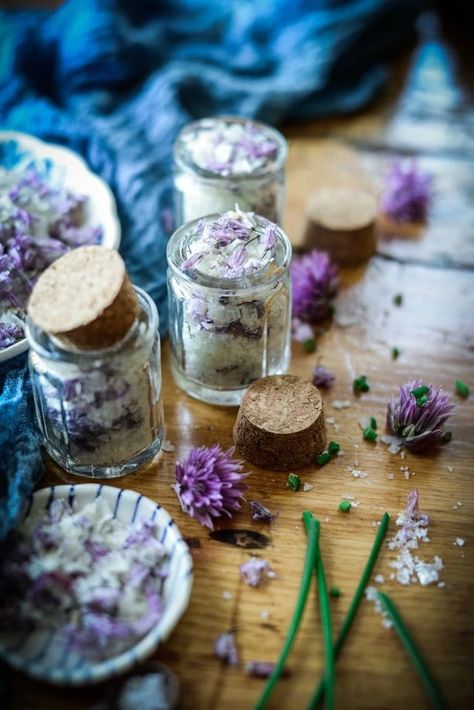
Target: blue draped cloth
column 117, row 79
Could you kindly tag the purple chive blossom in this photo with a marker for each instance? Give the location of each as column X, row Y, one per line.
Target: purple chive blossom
column 407, row 193
column 253, row 570
column 268, row 239
column 209, row 483
column 263, row 669
column 260, row 513
column 226, row 650
column 322, row 377
column 419, row 427
column 315, row 284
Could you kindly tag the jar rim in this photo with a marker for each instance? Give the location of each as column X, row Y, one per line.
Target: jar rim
column 237, row 285
column 61, row 352
column 184, row 161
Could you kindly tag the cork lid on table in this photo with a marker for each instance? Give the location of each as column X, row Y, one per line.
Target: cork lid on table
column 342, row 222
column 85, row 298
column 280, row 424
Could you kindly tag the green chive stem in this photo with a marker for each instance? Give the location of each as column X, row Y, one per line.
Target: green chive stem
column 325, row 612
column 354, row 606
column 309, row 563
column 412, row 650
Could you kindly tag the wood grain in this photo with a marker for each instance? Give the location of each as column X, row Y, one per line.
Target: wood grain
column 433, row 329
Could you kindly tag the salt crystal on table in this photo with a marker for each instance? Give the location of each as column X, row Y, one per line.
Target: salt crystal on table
column 341, row 403
column 168, row 447
column 227, row 595
column 391, row 476
column 450, row 469
column 459, row 541
column 379, row 579
column 307, row 487
column 264, row 615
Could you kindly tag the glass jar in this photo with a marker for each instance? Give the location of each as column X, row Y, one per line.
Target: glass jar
column 227, row 161
column 100, row 411
column 228, row 325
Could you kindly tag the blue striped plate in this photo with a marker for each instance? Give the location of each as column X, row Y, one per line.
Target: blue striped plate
column 41, row 654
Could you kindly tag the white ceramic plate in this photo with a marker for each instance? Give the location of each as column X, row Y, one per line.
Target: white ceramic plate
column 72, row 172
column 41, row 654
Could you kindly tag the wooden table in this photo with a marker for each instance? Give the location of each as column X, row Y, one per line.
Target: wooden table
column 428, row 113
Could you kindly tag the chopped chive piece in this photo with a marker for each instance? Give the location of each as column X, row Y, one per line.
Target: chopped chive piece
column 309, row 345
column 325, row 618
column 422, row 400
column 395, row 353
column 420, row 391
column 333, row 448
column 373, row 423
column 335, row 592
column 345, row 506
column 412, row 650
column 462, row 389
column 323, row 458
column 360, row 384
column 398, row 299
column 354, row 606
column 369, row 434
column 312, row 529
column 446, row 437
column 293, row 482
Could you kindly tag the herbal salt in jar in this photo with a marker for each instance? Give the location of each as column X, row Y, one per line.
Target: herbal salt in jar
column 95, row 364
column 100, row 411
column 223, row 162
column 230, row 304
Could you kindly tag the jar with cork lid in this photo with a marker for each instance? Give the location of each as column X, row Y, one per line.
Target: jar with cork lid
column 95, row 365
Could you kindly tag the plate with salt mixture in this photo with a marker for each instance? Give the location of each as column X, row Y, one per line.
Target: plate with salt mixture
column 94, row 579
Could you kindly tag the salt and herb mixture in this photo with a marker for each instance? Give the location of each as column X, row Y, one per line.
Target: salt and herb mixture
column 39, row 222
column 413, row 526
column 100, row 412
column 229, row 299
column 87, row 573
column 223, row 161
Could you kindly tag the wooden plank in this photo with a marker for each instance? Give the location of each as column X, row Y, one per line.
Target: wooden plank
column 431, row 329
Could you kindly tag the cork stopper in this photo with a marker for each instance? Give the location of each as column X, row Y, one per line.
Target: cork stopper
column 85, row 298
column 342, row 222
column 280, row 424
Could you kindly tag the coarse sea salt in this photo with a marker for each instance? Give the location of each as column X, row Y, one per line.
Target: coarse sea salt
column 459, row 541
column 307, row 487
column 341, row 403
column 409, row 568
column 371, row 596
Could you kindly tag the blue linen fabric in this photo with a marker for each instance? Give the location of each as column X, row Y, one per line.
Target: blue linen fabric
column 117, row 79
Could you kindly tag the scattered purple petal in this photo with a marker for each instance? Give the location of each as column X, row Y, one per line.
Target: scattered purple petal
column 315, row 284
column 226, row 650
column 260, row 513
column 253, row 570
column 322, row 377
column 209, row 483
column 264, row 669
column 408, row 192
column 418, row 427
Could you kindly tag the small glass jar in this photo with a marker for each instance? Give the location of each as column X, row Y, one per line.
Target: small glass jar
column 100, row 411
column 228, row 328
column 227, row 161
